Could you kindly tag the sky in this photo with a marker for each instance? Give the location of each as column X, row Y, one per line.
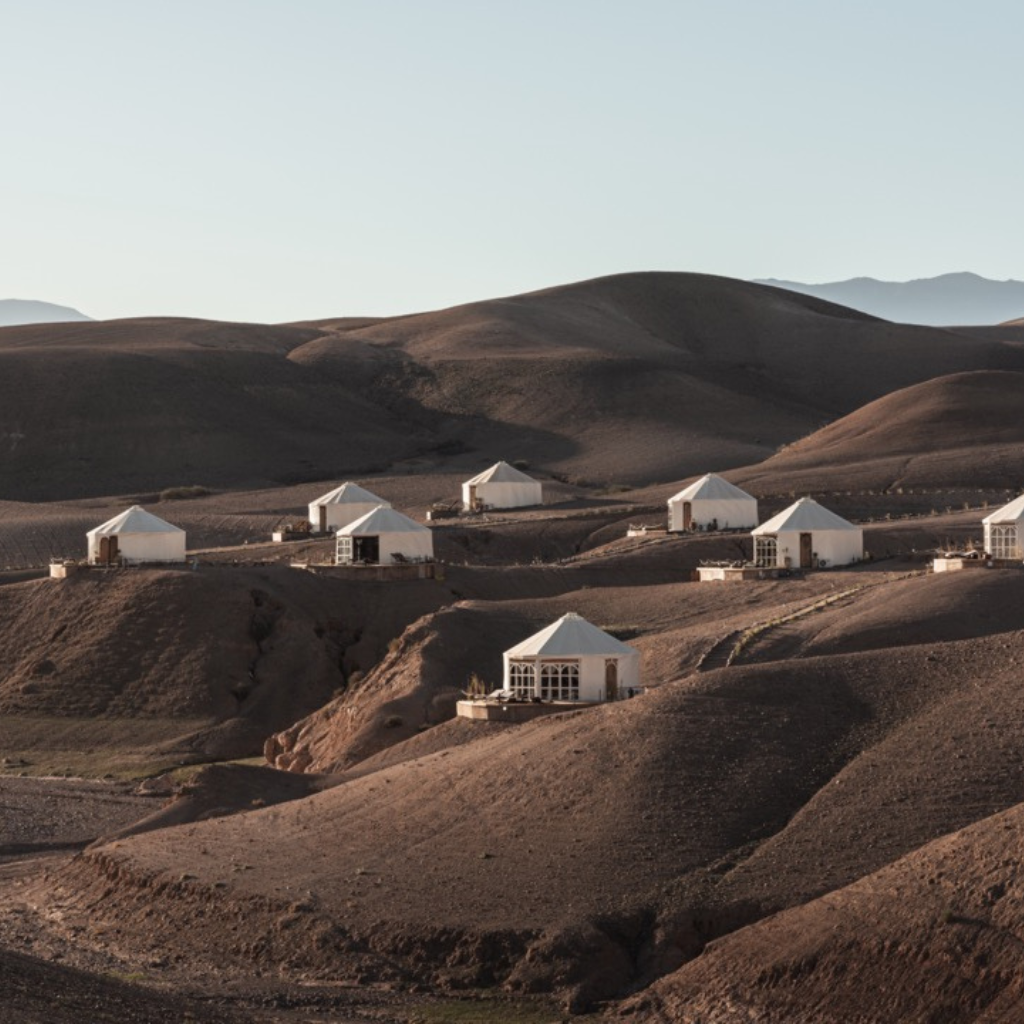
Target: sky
column 279, row 160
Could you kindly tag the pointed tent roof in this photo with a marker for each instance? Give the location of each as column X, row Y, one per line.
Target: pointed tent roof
column 805, row 514
column 570, row 635
column 382, row 519
column 1008, row 513
column 136, row 520
column 711, row 488
column 501, row 473
column 349, row 494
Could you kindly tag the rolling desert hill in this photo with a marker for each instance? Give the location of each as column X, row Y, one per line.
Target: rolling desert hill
column 961, row 430
column 961, row 298
column 586, row 380
column 754, row 789
column 811, row 751
column 938, row 931
column 168, row 666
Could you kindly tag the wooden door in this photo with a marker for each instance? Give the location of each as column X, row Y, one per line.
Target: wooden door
column 687, row 516
column 323, row 519
column 806, row 550
column 108, row 550
column 611, row 679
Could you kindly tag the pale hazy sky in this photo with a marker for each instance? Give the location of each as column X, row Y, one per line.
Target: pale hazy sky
column 276, row 160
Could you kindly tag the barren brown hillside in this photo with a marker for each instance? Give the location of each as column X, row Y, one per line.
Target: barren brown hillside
column 206, row 663
column 962, row 430
column 720, row 798
column 935, row 936
column 777, row 823
column 632, row 378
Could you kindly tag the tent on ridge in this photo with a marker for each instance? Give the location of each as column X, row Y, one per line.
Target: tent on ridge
column 383, row 537
column 807, row 536
column 501, row 486
column 572, row 660
column 711, row 503
column 135, row 536
column 345, row 504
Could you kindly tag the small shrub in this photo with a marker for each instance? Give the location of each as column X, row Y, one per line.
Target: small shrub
column 393, row 722
column 522, row 464
column 181, row 493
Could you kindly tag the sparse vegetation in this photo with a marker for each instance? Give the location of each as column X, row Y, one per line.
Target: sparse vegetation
column 183, row 493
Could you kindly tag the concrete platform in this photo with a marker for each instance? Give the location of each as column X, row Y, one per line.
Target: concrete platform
column 515, row 711
column 959, row 564
column 735, row 574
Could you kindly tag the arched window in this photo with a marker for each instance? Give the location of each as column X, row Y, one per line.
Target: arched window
column 521, row 679
column 1004, row 541
column 560, row 680
column 766, row 551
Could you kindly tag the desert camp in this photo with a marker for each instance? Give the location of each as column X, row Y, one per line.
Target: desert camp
column 511, row 514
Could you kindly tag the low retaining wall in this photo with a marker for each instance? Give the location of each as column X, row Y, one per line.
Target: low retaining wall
column 414, row 571
column 733, row 574
column 496, row 711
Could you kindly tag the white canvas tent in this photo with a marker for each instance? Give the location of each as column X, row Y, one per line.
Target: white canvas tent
column 501, row 486
column 344, row 505
column 807, row 536
column 711, row 503
column 1004, row 531
column 572, row 660
column 384, row 537
column 135, row 536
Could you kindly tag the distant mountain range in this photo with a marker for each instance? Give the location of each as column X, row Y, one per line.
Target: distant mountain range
column 948, row 300
column 14, row 312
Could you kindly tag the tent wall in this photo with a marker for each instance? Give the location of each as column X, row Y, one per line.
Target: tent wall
column 730, row 514
column 593, row 674
column 142, row 547
column 830, row 547
column 498, row 494
column 339, row 514
column 411, row 545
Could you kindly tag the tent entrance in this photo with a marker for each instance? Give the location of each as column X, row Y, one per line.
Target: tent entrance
column 687, row 516
column 323, row 519
column 474, row 502
column 611, row 679
column 108, row 549
column 806, row 550
column 366, row 550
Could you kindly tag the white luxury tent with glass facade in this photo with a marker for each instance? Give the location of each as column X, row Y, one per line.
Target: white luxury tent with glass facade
column 501, row 486
column 711, row 503
column 344, row 505
column 383, row 537
column 572, row 660
column 1004, row 531
column 135, row 536
column 807, row 536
